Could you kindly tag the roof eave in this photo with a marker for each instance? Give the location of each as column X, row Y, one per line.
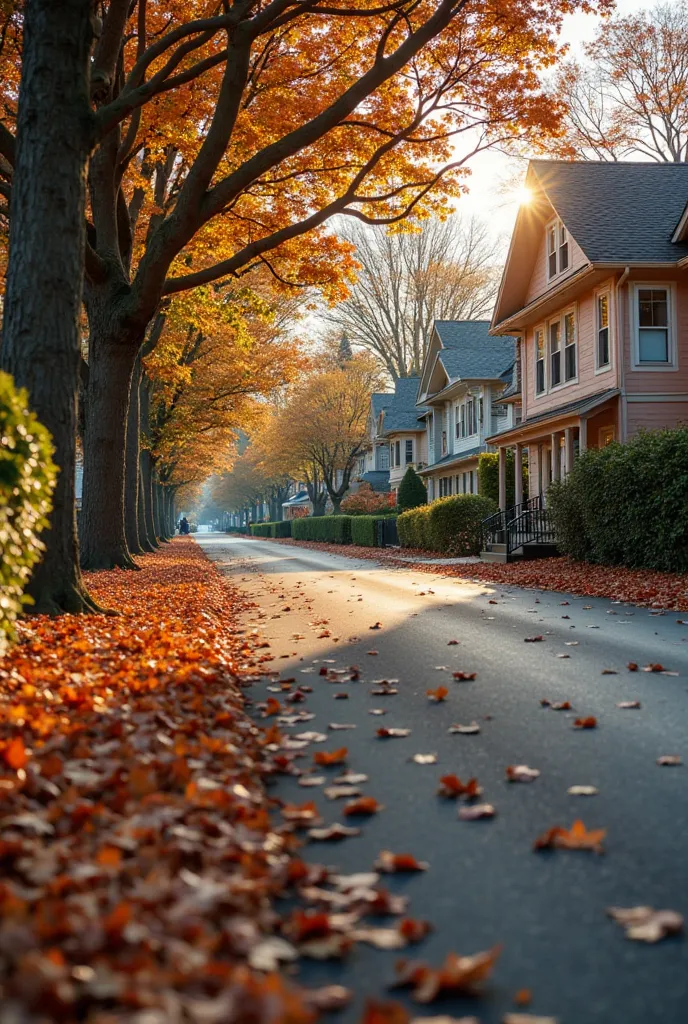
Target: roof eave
column 510, row 324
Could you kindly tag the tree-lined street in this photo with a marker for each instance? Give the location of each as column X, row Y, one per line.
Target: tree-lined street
column 485, row 885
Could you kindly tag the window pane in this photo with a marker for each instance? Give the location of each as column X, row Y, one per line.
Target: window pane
column 540, row 376
column 552, row 264
column 602, row 311
column 554, row 336
column 540, row 344
column 654, row 345
column 409, row 452
column 552, row 239
column 556, row 368
column 569, row 329
column 570, row 354
column 653, row 307
column 563, row 256
column 603, row 347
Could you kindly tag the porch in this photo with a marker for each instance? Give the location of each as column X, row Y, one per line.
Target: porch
column 551, row 442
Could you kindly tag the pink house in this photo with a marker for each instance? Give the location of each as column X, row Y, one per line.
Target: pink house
column 595, row 289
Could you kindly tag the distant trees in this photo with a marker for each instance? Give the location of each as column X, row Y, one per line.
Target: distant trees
column 440, row 270
column 631, row 97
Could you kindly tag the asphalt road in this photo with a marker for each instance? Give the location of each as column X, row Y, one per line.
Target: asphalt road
column 485, row 884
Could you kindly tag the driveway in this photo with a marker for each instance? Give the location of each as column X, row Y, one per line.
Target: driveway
column 485, row 885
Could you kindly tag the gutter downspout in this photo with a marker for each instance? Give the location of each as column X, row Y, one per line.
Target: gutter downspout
column 620, row 355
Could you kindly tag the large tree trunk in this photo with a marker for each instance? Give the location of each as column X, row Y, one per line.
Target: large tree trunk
column 131, row 472
column 146, row 464
column 41, row 335
column 158, row 515
column 102, row 532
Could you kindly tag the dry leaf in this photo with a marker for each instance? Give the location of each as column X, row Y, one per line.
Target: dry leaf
column 670, row 760
column 523, row 997
column 268, row 954
column 585, row 723
column 376, row 625
column 465, row 730
column 350, row 779
column 582, row 791
column 628, row 704
column 424, row 758
column 381, row 938
column 451, row 786
column 364, row 805
column 457, row 974
column 575, row 838
column 336, row 727
column 643, row 924
column 521, row 773
column 609, row 672
column 328, row 998
column 438, row 695
column 396, row 863
column 325, row 757
column 474, row 812
column 387, row 734
column 528, row 1018
column 465, row 676
column 336, row 792
column 333, row 832
column 533, row 639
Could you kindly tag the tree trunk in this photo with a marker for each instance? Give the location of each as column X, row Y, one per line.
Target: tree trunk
column 158, row 512
column 41, row 333
column 146, row 464
column 102, row 533
column 131, row 477
column 144, row 541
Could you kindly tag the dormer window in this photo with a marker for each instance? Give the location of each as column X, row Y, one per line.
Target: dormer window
column 557, row 249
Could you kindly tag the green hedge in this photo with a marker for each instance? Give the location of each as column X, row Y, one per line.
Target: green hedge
column 364, row 530
column 281, row 529
column 27, row 477
column 412, row 491
column 237, row 529
column 332, row 529
column 488, row 476
column 627, row 504
column 449, row 525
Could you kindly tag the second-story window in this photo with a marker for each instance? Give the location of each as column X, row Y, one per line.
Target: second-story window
column 555, row 353
column 444, row 442
column 603, row 350
column 557, row 249
column 539, row 361
column 462, row 423
column 409, row 451
column 471, row 417
column 570, row 361
column 397, row 453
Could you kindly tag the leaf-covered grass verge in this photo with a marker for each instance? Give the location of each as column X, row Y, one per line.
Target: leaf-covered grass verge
column 138, row 857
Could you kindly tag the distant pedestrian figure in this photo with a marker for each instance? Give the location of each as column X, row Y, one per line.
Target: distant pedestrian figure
column 184, row 525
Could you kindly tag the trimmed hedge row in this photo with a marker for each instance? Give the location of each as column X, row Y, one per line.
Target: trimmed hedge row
column 364, row 530
column 237, row 529
column 449, row 525
column 332, row 529
column 627, row 504
column 27, row 478
column 281, row 529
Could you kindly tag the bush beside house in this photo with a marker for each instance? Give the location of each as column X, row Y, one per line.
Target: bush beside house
column 412, row 491
column 449, row 525
column 27, row 477
column 281, row 529
column 627, row 504
column 488, row 477
column 367, row 502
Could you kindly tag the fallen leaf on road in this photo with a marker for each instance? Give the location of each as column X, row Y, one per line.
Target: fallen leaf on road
column 414, row 930
column 643, row 924
column 451, row 786
column 465, row 676
column 474, row 812
column 457, row 974
column 333, row 832
column 571, row 643
column 383, row 691
column 376, row 625
column 328, row 757
column 268, row 954
column 311, row 780
column 452, row 643
column 341, row 696
column 328, row 998
column 301, row 815
column 330, row 947
column 575, row 838
column 364, row 805
column 556, row 705
column 437, row 695
column 336, row 792
column 372, row 653
column 524, row 996
column 386, row 734
column 350, row 779
column 669, row 760
column 335, row 726
column 656, row 667
column 627, row 704
column 311, row 737
column 527, row 1018
column 424, row 758
column 384, row 1013
column 563, row 655
column 272, row 707
column 582, row 791
column 632, row 666
column 381, row 938
column 585, row 723
column 533, row 639
column 398, row 863
column 465, row 730
column 360, row 880
column 609, row 672
column 521, row 773
column 377, row 711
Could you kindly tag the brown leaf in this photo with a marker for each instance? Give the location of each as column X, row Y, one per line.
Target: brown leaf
column 15, row 754
column 523, row 997
column 457, row 974
column 521, row 773
column 465, row 676
column 533, row 639
column 376, row 625
column 451, row 786
column 670, row 760
column 438, row 695
column 632, row 666
column 628, row 704
column 395, row 863
column 328, row 998
column 387, row 734
column 365, row 805
column 333, row 832
column 585, row 723
column 327, row 757
column 575, row 838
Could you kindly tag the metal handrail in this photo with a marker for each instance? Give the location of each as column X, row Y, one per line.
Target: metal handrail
column 531, row 526
column 498, row 523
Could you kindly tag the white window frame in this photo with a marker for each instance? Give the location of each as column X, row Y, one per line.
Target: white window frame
column 571, row 313
column 598, row 294
column 561, row 239
column 672, row 363
column 408, row 461
column 545, row 375
column 563, row 383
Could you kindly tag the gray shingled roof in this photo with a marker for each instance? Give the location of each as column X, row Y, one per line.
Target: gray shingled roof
column 619, row 212
column 401, row 413
column 470, row 353
column 380, row 400
column 378, row 479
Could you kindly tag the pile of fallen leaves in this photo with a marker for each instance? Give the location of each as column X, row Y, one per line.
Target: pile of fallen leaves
column 137, row 856
column 644, row 587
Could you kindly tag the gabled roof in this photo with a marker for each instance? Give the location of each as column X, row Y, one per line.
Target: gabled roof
column 469, row 352
column 401, row 414
column 378, row 479
column 618, row 212
column 379, row 400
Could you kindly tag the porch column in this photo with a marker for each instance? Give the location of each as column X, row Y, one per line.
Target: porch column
column 538, row 468
column 502, row 478
column 518, row 474
column 556, row 456
column 568, row 450
column 583, row 436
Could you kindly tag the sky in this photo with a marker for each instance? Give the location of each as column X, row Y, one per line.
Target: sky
column 491, row 171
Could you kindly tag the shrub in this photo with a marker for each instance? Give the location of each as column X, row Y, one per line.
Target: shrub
column 281, row 529
column 455, row 524
column 330, row 529
column 27, row 478
column 237, row 529
column 488, row 476
column 412, row 491
column 367, row 502
column 627, row 504
column 413, row 528
column 364, row 530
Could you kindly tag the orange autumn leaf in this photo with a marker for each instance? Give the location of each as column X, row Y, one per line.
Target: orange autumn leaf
column 457, row 974
column 390, row 1012
column 465, row 676
column 398, row 862
column 452, row 786
column 15, row 754
column 363, row 805
column 109, row 856
column 414, row 930
column 523, row 997
column 327, row 757
column 438, row 695
column 575, row 838
column 272, row 707
column 303, row 815
column 585, row 723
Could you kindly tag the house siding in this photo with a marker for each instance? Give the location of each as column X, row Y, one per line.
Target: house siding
column 538, row 282
column 655, row 415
